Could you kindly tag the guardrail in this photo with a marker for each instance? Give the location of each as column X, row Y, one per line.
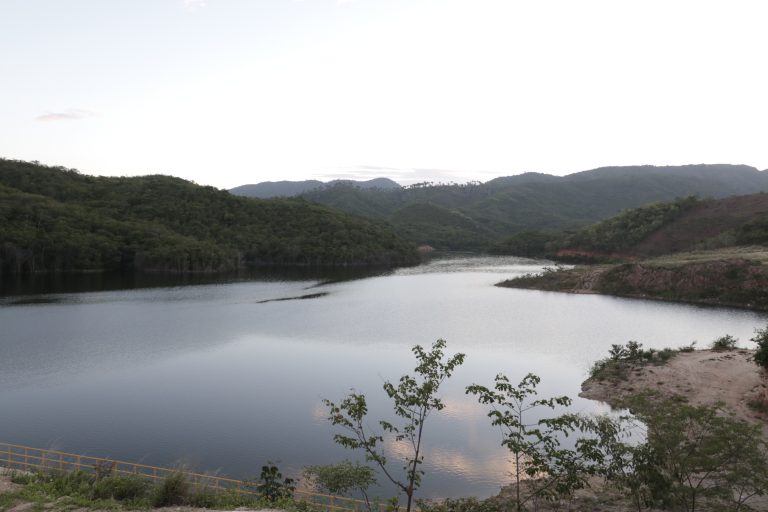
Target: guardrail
column 27, row 458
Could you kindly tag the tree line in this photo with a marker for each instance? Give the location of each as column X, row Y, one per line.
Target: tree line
column 54, row 219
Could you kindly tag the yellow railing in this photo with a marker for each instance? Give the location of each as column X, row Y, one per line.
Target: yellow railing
column 27, row 458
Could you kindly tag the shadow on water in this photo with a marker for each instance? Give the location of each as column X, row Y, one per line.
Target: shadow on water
column 76, row 282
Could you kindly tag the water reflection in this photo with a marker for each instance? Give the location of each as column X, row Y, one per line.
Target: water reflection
column 223, row 377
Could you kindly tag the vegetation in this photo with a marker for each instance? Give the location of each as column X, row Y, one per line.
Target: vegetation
column 414, row 398
column 543, row 469
column 622, row 358
column 754, row 232
column 670, row 456
column 630, row 227
column 55, row 219
column 726, row 342
column 80, row 489
column 532, row 202
column 694, row 456
column 342, row 479
column 272, row 486
column 728, row 278
column 761, row 354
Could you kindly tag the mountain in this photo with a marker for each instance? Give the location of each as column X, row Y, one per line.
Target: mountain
column 532, row 201
column 269, row 189
column 55, row 219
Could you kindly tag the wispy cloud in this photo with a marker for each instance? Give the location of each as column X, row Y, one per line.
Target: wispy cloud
column 71, row 114
column 405, row 176
column 194, row 4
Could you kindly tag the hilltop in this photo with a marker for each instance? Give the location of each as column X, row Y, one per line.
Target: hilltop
column 704, row 251
column 270, row 189
column 56, row 219
column 477, row 216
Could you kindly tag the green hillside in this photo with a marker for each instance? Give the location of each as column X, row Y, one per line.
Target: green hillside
column 712, row 251
column 54, row 219
column 537, row 202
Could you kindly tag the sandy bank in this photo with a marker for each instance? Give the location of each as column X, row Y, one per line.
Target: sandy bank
column 704, row 377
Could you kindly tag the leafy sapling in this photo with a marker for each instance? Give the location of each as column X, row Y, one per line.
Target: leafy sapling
column 414, row 398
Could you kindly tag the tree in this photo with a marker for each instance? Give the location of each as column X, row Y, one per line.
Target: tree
column 342, row 478
column 541, row 465
column 414, row 398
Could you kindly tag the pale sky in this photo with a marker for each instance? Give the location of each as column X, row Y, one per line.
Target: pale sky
column 228, row 92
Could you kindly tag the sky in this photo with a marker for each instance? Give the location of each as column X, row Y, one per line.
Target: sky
column 229, row 92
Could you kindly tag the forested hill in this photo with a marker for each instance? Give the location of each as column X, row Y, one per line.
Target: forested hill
column 269, row 189
column 657, row 229
column 54, row 219
column 475, row 215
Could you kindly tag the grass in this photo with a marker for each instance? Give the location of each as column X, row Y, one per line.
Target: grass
column 724, row 343
column 757, row 405
column 66, row 491
column 754, row 253
column 623, row 358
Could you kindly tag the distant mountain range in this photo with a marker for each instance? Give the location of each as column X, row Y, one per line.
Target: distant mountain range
column 269, row 189
column 476, row 216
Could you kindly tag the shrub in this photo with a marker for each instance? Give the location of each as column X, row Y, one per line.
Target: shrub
column 698, row 455
column 173, row 491
column 726, row 342
column 342, row 478
column 761, row 354
column 122, row 488
column 272, row 487
column 77, row 483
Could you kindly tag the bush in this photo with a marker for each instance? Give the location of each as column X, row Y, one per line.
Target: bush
column 77, row 483
column 472, row 504
column 761, row 354
column 726, row 342
column 622, row 357
column 342, row 478
column 173, row 491
column 272, row 487
column 122, row 488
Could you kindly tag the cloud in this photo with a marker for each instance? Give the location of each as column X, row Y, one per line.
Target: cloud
column 71, row 114
column 405, row 176
column 194, row 4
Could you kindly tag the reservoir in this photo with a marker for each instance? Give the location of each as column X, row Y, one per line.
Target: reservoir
column 225, row 376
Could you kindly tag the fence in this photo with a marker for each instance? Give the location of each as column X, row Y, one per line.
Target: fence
column 26, row 458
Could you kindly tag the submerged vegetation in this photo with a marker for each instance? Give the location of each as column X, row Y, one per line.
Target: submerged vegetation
column 54, row 219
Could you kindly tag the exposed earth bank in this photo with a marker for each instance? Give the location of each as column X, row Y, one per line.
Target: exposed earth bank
column 736, row 279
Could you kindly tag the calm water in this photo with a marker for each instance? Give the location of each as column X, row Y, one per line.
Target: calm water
column 212, row 376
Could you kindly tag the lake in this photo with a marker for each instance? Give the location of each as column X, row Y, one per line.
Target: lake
column 220, row 376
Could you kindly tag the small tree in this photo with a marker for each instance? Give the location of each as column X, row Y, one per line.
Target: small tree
column 547, row 469
column 342, row 478
column 761, row 354
column 271, row 485
column 699, row 455
column 414, row 398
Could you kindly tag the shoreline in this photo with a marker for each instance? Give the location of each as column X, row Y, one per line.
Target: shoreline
column 701, row 377
column 714, row 280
